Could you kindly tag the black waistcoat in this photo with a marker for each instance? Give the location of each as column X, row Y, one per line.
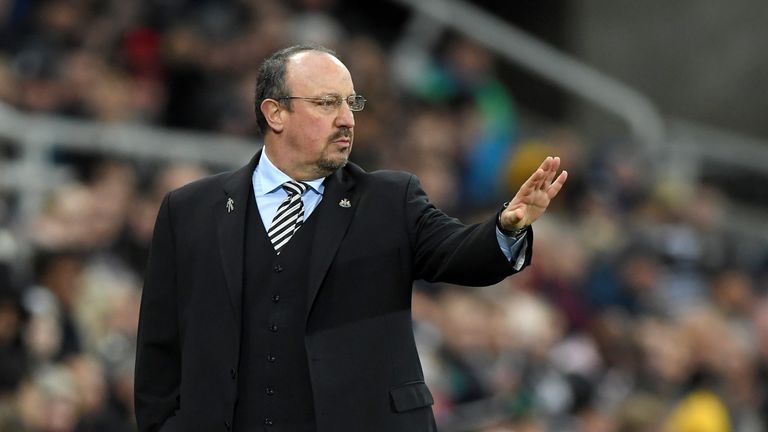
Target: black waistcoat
column 274, row 389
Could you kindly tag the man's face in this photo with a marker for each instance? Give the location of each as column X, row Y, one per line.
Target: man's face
column 318, row 137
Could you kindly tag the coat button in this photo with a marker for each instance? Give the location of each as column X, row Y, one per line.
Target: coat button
column 270, row 391
column 278, row 268
column 268, row 421
column 233, row 373
column 271, row 358
column 275, row 298
column 227, row 425
column 273, row 327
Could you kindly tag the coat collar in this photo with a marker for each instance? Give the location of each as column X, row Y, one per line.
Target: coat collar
column 236, row 188
column 333, row 218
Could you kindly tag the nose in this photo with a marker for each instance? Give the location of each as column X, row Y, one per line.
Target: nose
column 345, row 117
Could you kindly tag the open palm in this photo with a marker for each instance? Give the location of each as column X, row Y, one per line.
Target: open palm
column 534, row 196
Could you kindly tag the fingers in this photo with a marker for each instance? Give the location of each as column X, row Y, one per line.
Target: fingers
column 534, row 181
column 555, row 187
column 554, row 163
column 542, row 179
column 549, row 166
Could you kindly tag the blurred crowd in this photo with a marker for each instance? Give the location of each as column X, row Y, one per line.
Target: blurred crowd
column 641, row 312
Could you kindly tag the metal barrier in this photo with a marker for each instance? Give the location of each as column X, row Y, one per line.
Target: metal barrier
column 643, row 119
column 33, row 174
column 680, row 150
column 676, row 149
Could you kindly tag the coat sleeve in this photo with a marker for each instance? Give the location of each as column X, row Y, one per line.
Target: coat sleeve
column 158, row 360
column 445, row 250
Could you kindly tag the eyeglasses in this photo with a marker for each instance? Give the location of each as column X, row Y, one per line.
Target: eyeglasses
column 331, row 103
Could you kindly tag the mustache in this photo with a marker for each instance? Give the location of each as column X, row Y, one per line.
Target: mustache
column 343, row 132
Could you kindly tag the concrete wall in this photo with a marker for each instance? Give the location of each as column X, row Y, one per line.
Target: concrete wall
column 701, row 59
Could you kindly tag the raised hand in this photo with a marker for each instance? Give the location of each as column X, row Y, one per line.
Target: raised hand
column 534, row 196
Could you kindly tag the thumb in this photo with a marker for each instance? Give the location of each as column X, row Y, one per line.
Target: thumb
column 511, row 218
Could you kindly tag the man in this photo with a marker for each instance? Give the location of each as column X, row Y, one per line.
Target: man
column 277, row 296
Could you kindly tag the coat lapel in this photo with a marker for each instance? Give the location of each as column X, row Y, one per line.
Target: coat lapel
column 338, row 206
column 232, row 232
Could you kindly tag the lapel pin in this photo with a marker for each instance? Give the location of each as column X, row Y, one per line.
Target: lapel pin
column 230, row 205
column 345, row 203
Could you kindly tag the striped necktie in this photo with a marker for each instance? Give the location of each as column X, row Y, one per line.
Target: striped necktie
column 289, row 216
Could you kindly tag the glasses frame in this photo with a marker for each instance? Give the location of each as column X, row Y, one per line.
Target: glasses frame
column 356, row 102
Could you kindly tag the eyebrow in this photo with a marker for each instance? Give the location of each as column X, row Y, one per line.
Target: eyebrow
column 337, row 94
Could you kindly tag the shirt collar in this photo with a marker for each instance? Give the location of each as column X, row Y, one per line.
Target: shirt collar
column 268, row 178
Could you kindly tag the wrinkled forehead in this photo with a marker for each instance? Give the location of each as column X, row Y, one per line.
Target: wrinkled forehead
column 313, row 73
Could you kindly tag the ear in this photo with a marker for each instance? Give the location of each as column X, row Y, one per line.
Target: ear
column 273, row 112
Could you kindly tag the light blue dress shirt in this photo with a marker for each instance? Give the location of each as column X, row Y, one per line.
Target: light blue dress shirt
column 267, row 188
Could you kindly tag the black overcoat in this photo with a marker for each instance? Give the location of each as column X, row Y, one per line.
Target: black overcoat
column 378, row 236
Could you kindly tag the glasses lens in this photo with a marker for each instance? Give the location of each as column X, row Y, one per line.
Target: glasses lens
column 356, row 102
